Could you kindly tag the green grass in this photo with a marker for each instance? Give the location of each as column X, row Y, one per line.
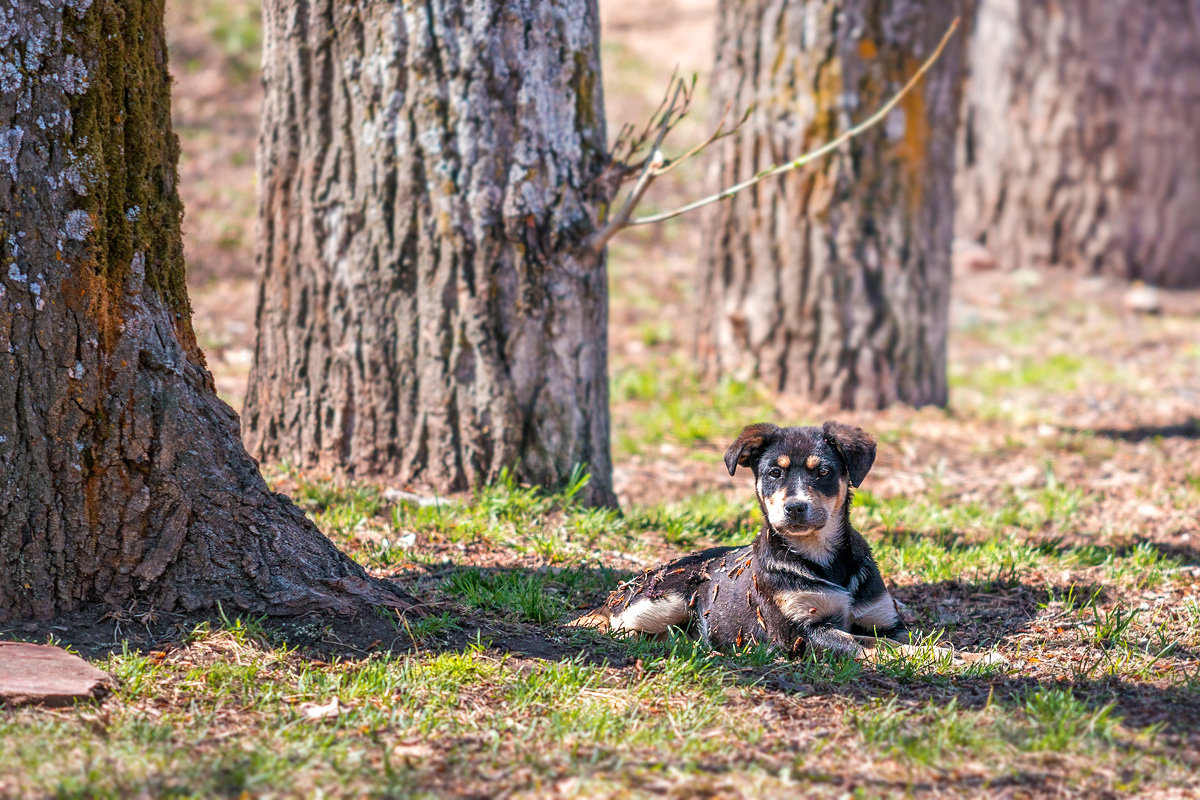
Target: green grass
column 236, row 29
column 1045, row 721
column 237, row 708
column 530, row 597
column 243, row 726
column 1059, row 373
column 672, row 404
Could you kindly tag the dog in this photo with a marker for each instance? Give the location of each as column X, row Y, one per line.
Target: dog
column 808, row 581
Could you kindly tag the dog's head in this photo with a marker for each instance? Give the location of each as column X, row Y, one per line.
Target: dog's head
column 802, row 475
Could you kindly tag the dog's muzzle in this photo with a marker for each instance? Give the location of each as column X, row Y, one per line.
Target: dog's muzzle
column 801, row 517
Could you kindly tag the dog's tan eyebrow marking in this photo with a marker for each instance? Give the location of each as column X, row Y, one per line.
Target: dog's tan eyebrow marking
column 784, row 461
column 813, row 461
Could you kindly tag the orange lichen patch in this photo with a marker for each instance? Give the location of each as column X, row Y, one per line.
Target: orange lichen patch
column 812, row 461
column 913, row 148
column 867, row 49
column 94, row 296
column 783, row 461
column 93, row 487
column 827, row 99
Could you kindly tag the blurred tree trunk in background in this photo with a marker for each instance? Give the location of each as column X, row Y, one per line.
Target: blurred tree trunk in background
column 122, row 477
column 427, row 309
column 834, row 282
column 1081, row 141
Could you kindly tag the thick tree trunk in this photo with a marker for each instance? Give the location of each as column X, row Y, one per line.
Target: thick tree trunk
column 1081, row 142
column 427, row 310
column 122, row 477
column 834, row 282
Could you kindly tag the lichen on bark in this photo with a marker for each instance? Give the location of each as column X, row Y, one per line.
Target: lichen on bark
column 122, row 476
column 428, row 310
column 832, row 282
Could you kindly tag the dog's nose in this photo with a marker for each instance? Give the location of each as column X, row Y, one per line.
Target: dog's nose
column 795, row 509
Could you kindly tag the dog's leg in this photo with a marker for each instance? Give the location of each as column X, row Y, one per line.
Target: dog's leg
column 599, row 619
column 640, row 615
column 873, row 647
column 645, row 615
column 833, row 640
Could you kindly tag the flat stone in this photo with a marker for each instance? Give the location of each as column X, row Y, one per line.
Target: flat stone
column 1143, row 299
column 36, row 674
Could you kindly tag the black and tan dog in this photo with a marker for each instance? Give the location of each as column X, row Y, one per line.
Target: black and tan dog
column 808, row 580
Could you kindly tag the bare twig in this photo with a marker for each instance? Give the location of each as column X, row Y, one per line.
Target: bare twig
column 650, row 164
column 824, row 149
column 716, row 136
column 668, row 114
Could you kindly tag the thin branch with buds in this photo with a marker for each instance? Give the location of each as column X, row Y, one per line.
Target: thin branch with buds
column 667, row 116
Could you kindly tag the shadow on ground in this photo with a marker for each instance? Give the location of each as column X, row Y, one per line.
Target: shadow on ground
column 1188, row 429
column 986, row 615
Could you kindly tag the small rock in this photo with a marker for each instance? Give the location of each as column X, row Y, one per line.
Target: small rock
column 314, row 712
column 35, row 674
column 1026, row 278
column 401, row 496
column 973, row 258
column 1143, row 299
column 1149, row 510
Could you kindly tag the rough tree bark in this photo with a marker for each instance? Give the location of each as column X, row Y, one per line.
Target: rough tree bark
column 428, row 176
column 122, row 476
column 1081, row 144
column 834, row 282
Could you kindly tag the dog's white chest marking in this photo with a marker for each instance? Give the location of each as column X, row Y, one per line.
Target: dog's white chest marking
column 817, row 546
column 651, row 616
column 804, row 606
column 879, row 613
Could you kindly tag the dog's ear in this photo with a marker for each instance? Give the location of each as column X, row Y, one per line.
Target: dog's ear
column 856, row 446
column 749, row 445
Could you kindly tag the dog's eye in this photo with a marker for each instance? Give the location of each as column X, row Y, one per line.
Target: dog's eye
column 775, row 472
column 822, row 472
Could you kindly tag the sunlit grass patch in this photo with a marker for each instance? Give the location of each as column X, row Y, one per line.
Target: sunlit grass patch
column 671, row 403
column 1051, row 508
column 236, row 29
column 528, row 596
column 1044, row 721
column 1058, row 373
column 254, row 719
column 1014, row 385
column 932, row 736
column 338, row 508
column 709, row 518
column 541, row 596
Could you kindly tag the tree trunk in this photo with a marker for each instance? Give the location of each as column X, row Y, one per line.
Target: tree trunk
column 1081, row 142
column 122, row 477
column 428, row 176
column 833, row 282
